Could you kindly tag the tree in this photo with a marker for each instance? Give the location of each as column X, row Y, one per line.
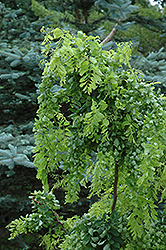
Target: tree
column 113, row 138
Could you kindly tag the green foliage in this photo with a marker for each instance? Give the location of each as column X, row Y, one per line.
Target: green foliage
column 40, row 11
column 138, row 22
column 20, row 46
column 16, row 149
column 43, row 215
column 111, row 233
column 114, row 117
column 153, row 67
column 88, row 16
column 155, row 239
column 93, row 233
column 149, row 35
column 87, row 232
column 102, row 115
column 20, row 4
column 20, row 39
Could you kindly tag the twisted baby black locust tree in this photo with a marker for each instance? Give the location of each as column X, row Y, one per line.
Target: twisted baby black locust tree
column 112, row 137
column 115, row 134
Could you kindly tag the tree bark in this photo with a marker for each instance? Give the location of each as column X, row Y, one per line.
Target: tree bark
column 78, row 15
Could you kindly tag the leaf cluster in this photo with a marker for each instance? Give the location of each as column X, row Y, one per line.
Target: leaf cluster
column 44, row 206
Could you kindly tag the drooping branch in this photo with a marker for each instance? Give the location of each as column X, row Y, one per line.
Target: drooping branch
column 54, row 213
column 56, row 216
column 111, row 34
column 115, row 188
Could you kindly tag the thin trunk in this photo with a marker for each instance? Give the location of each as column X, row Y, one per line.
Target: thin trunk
column 85, row 12
column 115, row 188
column 78, row 15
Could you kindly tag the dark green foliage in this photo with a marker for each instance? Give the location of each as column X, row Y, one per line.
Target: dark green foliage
column 21, row 4
column 14, row 191
column 44, row 215
column 153, row 67
column 16, row 149
column 94, row 233
column 156, row 239
column 149, row 38
column 87, row 232
column 19, row 69
column 18, row 37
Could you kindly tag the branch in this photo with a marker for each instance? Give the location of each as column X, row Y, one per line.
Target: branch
column 111, row 35
column 54, row 213
column 148, row 23
column 115, row 188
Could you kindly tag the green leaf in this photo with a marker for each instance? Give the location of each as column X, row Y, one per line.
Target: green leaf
column 91, row 230
column 101, row 242
column 95, row 239
column 93, row 244
column 116, row 142
column 114, row 232
column 116, row 245
column 103, row 234
column 105, row 122
column 84, row 67
column 57, row 33
column 107, row 247
column 128, row 118
column 86, row 240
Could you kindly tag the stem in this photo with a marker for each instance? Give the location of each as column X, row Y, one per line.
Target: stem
column 85, row 15
column 115, row 188
column 54, row 213
column 21, row 242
